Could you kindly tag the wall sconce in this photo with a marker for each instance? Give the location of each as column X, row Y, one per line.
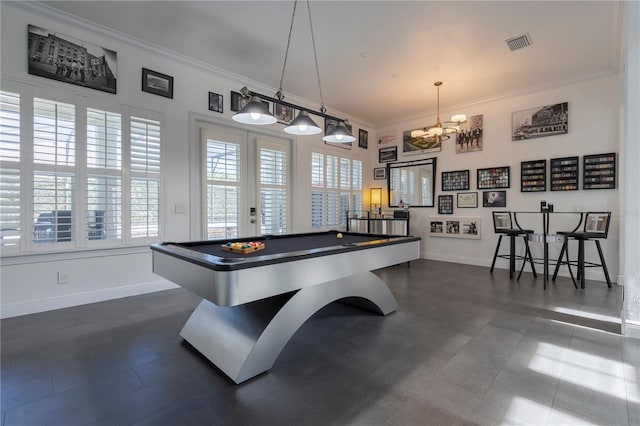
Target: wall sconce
column 375, row 199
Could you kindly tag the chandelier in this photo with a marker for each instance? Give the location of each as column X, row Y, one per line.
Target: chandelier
column 441, row 130
column 257, row 112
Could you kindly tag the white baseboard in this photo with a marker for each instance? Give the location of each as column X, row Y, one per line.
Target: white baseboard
column 32, row 307
column 631, row 329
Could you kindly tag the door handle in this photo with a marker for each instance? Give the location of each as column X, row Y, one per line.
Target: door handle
column 253, row 220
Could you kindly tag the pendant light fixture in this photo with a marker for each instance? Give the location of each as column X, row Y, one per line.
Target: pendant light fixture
column 255, row 112
column 438, row 130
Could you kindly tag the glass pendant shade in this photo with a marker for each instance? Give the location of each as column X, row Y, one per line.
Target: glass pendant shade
column 255, row 112
column 303, row 125
column 339, row 134
column 459, row 118
column 435, row 131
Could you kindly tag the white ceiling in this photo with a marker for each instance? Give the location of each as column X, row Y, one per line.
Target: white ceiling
column 378, row 60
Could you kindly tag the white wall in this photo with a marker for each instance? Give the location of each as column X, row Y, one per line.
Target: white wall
column 593, row 129
column 30, row 283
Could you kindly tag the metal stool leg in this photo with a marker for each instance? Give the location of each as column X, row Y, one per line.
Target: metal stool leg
column 559, row 261
column 604, row 264
column 528, row 257
column 495, row 255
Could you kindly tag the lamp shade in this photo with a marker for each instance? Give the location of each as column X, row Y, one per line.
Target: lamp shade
column 339, row 134
column 255, row 112
column 375, row 195
column 303, row 125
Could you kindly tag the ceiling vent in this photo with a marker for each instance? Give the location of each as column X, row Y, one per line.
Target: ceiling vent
column 519, row 42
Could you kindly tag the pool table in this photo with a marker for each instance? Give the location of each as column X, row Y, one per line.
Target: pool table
column 254, row 303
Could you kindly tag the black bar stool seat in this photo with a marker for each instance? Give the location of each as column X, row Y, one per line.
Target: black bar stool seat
column 596, row 228
column 503, row 226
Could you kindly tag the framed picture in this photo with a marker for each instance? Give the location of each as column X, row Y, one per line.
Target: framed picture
column 283, row 113
column 455, row 227
column 533, row 176
column 455, row 181
column 379, row 173
column 469, row 138
column 157, row 83
column 363, row 138
column 494, row 199
column 215, row 102
column 237, row 101
column 417, row 141
column 537, row 122
column 599, row 171
column 95, row 68
column 467, row 200
column 445, row 204
column 387, row 155
column 564, row 173
column 493, row 178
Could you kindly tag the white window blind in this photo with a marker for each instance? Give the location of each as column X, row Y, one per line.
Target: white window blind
column 9, row 168
column 336, row 186
column 145, row 177
column 223, row 189
column 273, row 191
column 54, row 177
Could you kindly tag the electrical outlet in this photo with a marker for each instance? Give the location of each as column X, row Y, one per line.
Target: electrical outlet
column 63, row 278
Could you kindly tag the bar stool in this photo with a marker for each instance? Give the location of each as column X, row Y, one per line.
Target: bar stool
column 503, row 226
column 596, row 228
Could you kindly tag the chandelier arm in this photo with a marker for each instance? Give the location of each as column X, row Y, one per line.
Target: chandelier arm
column 280, row 95
column 315, row 56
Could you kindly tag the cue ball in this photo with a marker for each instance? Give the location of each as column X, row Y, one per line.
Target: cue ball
column 339, row 235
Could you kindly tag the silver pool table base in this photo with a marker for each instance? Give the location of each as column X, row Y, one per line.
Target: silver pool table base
column 245, row 340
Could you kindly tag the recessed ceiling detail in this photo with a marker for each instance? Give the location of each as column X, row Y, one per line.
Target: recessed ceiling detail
column 519, row 42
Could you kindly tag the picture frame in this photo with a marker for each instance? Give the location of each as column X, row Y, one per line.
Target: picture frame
column 549, row 120
column 363, row 138
column 533, row 176
column 469, row 137
column 380, row 173
column 445, row 204
column 388, row 154
column 564, row 173
column 493, row 178
column 283, row 113
column 467, row 200
column 455, row 181
column 417, row 141
column 599, row 171
column 96, row 69
column 215, row 102
column 455, row 227
column 237, row 101
column 494, row 199
column 157, row 83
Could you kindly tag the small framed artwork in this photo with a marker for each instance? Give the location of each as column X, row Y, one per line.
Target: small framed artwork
column 533, row 176
column 493, row 178
column 387, row 155
column 564, row 173
column 157, row 83
column 363, row 138
column 237, row 101
column 445, row 204
column 455, row 227
column 494, row 199
column 599, row 171
column 549, row 120
column 215, row 102
column 467, row 200
column 379, row 173
column 455, row 181
column 283, row 113
column 469, row 137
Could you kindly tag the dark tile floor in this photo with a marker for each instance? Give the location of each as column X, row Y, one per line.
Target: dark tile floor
column 465, row 348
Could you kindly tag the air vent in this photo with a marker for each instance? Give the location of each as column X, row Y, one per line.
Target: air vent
column 519, row 42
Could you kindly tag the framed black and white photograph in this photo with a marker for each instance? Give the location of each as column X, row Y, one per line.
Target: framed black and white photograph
column 283, row 113
column 549, row 120
column 445, row 204
column 387, row 155
column 363, row 138
column 455, row 181
column 417, row 141
column 64, row 58
column 215, row 102
column 494, row 199
column 467, row 200
column 237, row 101
column 379, row 173
column 469, row 138
column 455, row 227
column 157, row 83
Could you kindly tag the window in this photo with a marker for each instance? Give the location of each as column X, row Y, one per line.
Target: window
column 89, row 189
column 336, row 187
column 273, row 191
column 223, row 188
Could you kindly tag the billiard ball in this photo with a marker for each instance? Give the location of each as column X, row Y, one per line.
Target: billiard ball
column 339, row 235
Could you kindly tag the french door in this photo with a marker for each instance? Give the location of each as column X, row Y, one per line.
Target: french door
column 245, row 183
